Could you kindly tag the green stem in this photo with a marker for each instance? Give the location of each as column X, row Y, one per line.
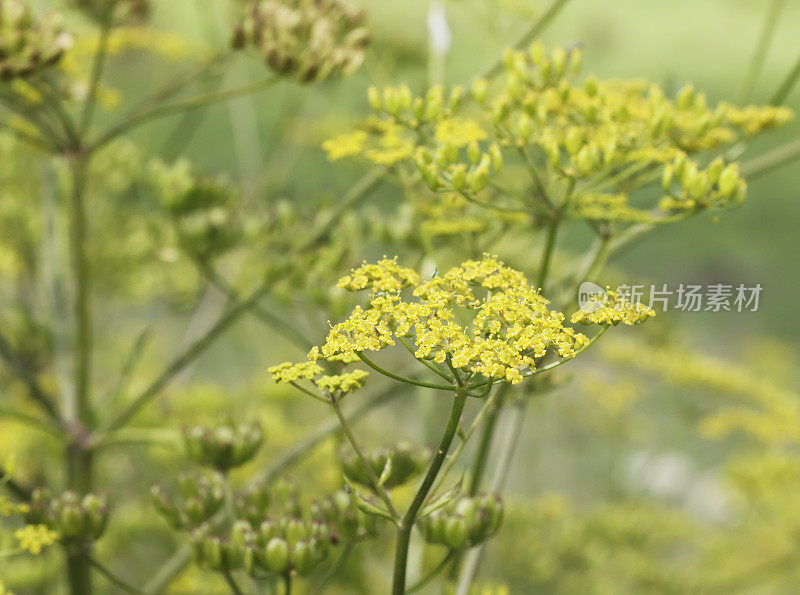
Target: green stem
column 410, row 517
column 433, row 573
column 787, row 85
column 114, row 579
column 760, row 54
column 547, row 253
column 232, row 583
column 97, row 67
column 78, row 453
column 399, row 378
column 274, row 321
column 32, row 421
column 376, row 483
column 185, row 358
column 484, row 446
column 767, row 162
column 473, row 559
column 20, row 370
column 80, row 268
column 183, row 105
column 17, row 490
column 531, row 33
column 425, row 363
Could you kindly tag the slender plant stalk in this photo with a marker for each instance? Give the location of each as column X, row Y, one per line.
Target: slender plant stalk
column 400, row 378
column 376, row 483
column 180, row 106
column 97, row 67
column 410, row 517
column 760, row 54
column 16, row 489
column 36, row 392
column 485, row 444
column 433, row 573
column 763, row 164
column 78, row 453
column 787, row 85
column 531, row 32
column 547, row 254
column 114, row 579
column 473, row 558
column 232, row 583
column 185, row 358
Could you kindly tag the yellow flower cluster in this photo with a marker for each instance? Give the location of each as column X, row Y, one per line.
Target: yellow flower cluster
column 35, row 538
column 384, row 276
column 508, row 324
column 616, row 310
column 342, row 383
column 8, row 508
column 289, row 373
column 588, row 145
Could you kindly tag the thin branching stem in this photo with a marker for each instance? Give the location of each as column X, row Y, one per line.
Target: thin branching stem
column 376, row 483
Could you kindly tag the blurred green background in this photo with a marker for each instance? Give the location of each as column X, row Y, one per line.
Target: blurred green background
column 594, row 453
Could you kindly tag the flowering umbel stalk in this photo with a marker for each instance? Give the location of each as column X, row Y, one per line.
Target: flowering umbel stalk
column 479, row 324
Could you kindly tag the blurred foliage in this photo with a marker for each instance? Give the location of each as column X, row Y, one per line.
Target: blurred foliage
column 668, row 463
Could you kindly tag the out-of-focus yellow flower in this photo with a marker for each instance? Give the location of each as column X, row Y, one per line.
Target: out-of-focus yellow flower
column 35, row 538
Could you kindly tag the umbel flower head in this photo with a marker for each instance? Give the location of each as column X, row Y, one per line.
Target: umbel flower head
column 479, row 318
column 586, row 145
column 26, row 46
column 310, row 39
column 464, row 522
column 70, row 516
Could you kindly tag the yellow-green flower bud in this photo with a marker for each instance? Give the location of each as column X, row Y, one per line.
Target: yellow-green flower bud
column 573, row 140
column 480, row 90
column 714, row 170
column 302, row 558
column 685, row 97
column 667, row 176
column 374, row 99
column 536, row 52
column 497, row 156
column 458, row 176
column 590, row 86
column 456, row 533
column 586, row 160
column 559, row 59
column 728, row 179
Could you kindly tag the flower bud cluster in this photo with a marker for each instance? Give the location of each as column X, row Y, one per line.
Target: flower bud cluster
column 26, row 46
column 586, row 144
column 262, row 500
column 340, row 512
column 223, row 447
column 200, row 497
column 692, row 188
column 202, row 209
column 393, row 466
column 310, row 39
column 73, row 517
column 287, row 545
column 463, row 523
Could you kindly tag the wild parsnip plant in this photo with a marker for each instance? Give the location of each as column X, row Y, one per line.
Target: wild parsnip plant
column 491, row 172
